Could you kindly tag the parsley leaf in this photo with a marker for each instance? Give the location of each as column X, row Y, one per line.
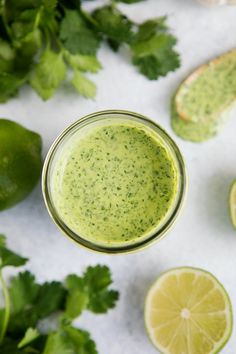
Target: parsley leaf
column 48, row 73
column 76, row 35
column 111, row 22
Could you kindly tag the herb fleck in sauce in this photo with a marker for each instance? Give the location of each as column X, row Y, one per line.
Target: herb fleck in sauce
column 115, row 184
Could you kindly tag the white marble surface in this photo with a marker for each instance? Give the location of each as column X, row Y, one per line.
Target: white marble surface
column 203, row 236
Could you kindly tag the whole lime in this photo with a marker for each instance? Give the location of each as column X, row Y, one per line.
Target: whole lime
column 20, row 162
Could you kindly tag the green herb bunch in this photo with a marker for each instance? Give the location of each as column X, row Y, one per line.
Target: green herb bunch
column 41, row 39
column 27, row 303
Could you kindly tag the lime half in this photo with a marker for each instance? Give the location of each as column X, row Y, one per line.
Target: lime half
column 188, row 311
column 232, row 203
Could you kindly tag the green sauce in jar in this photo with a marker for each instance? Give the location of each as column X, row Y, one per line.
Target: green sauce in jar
column 115, row 184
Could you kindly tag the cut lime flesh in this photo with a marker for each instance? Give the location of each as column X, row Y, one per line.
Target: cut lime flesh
column 188, row 311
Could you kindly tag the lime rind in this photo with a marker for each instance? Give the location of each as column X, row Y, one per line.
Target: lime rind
column 225, row 338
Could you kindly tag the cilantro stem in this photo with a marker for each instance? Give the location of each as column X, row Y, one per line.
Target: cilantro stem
column 7, row 308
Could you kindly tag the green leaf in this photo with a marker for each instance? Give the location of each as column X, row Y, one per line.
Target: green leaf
column 9, row 346
column 77, row 36
column 153, row 49
column 48, row 74
column 34, row 305
column 76, row 302
column 83, row 85
column 9, row 85
column 74, row 282
column 7, row 56
column 97, row 278
column 30, row 335
column 2, row 240
column 115, row 25
column 70, row 341
column 50, row 298
column 153, row 68
column 149, row 28
column 84, row 62
column 2, row 315
column 102, row 301
column 23, row 291
column 154, row 45
column 20, row 17
column 9, row 258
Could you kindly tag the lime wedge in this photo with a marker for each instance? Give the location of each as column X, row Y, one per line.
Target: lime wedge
column 232, row 203
column 188, row 311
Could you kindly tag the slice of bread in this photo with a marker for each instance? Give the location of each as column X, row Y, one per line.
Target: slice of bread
column 195, row 131
column 203, row 101
column 209, row 90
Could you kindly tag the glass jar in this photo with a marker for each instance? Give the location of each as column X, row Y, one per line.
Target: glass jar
column 76, row 132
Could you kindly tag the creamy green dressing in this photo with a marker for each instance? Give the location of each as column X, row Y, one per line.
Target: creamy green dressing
column 212, row 92
column 205, row 99
column 115, row 184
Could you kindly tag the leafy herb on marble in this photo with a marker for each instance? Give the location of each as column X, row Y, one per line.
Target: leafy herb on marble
column 28, row 302
column 43, row 41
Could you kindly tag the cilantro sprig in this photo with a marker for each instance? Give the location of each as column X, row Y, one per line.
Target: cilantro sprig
column 28, row 302
column 42, row 41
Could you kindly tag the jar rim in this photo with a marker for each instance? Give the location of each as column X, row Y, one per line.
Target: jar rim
column 136, row 245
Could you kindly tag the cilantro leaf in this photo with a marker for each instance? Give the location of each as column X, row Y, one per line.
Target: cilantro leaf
column 32, row 302
column 154, row 45
column 115, row 25
column 9, row 258
column 74, row 282
column 48, row 73
column 2, row 240
column 98, row 279
column 150, row 27
column 70, row 340
column 76, row 302
column 102, row 301
column 84, row 62
column 153, row 49
column 76, row 35
column 77, row 298
column 9, row 346
column 83, row 85
column 9, row 85
column 30, row 335
column 51, row 297
column 23, row 291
